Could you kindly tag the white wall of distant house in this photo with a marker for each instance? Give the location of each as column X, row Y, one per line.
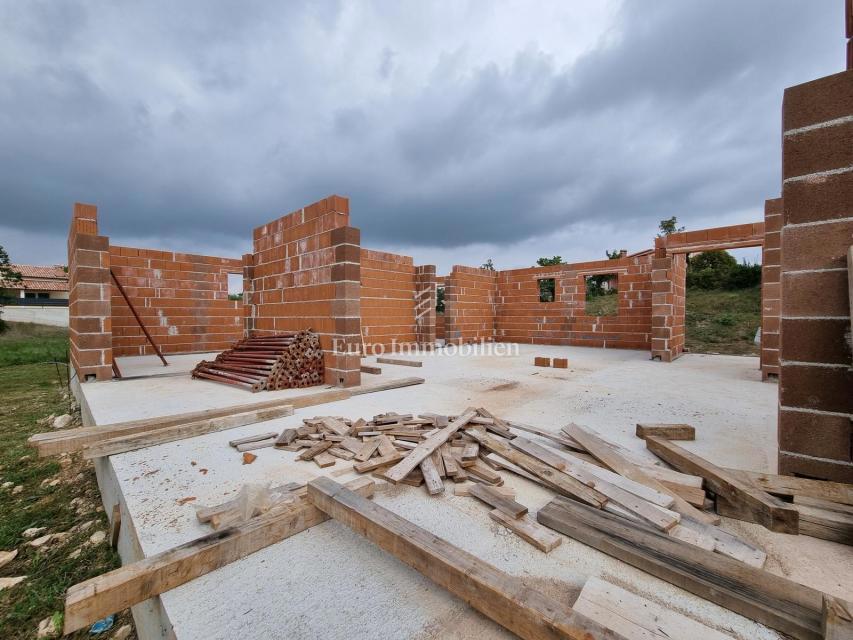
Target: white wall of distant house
column 52, row 316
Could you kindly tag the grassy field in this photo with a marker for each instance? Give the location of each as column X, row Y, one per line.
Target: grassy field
column 59, row 494
column 24, row 343
column 723, row 321
column 606, row 305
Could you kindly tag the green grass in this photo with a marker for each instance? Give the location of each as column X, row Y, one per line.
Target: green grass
column 722, row 321
column 24, row 343
column 28, row 393
column 605, row 305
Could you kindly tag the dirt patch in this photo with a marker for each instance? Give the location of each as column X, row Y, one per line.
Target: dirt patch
column 507, row 386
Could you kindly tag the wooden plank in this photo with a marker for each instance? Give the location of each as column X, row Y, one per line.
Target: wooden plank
column 123, row 444
column 764, row 597
column 367, row 449
column 450, row 466
column 692, row 495
column 636, row 617
column 483, row 472
column 813, row 522
column 336, row 426
column 371, row 370
column 397, row 383
column 497, row 501
column 314, row 450
column 425, row 449
column 655, row 515
column 791, row 486
column 89, row 601
column 324, row 460
column 505, row 599
column 260, row 444
column 386, row 447
column 725, row 543
column 381, row 461
column 400, row 362
column 340, row 452
column 71, row 440
column 560, row 481
column 823, row 504
column 666, row 431
column 763, row 508
column 617, row 462
column 528, row 530
column 837, row 614
column 464, row 490
column 498, row 426
column 431, row 476
column 255, row 438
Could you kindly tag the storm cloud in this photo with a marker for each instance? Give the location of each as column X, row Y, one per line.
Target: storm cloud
column 460, row 130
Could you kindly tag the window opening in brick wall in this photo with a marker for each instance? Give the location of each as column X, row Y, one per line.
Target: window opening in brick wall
column 547, row 289
column 235, row 286
column 602, row 297
column 439, row 299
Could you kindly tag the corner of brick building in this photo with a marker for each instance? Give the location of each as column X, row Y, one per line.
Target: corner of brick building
column 816, row 379
column 89, row 290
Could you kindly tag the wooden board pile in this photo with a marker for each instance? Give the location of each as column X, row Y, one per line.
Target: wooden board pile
column 280, row 361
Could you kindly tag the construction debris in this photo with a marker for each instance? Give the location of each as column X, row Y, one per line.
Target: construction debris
column 269, row 362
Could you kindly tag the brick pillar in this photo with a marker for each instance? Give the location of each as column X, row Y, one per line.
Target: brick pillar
column 343, row 362
column 771, row 288
column 89, row 291
column 816, row 379
column 425, row 288
column 669, row 276
column 248, row 291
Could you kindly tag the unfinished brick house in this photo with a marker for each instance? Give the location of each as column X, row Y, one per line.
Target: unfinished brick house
column 308, row 269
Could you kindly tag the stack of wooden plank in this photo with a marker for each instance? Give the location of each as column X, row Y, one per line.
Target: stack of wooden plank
column 270, row 362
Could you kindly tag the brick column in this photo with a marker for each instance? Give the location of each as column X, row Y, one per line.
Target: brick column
column 816, row 379
column 425, row 288
column 89, row 291
column 470, row 304
column 669, row 276
column 771, row 288
column 343, row 362
column 248, row 291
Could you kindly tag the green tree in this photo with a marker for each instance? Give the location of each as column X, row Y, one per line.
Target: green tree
column 549, row 262
column 7, row 273
column 669, row 226
column 488, row 264
column 719, row 270
column 439, row 300
column 613, row 255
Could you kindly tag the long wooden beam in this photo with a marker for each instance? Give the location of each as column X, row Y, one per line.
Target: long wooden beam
column 89, row 601
column 123, row 444
column 757, row 594
column 758, row 506
column 617, row 462
column 503, row 598
column 426, row 448
column 71, row 440
column 791, row 486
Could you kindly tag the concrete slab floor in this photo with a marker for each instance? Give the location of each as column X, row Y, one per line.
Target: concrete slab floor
column 330, row 583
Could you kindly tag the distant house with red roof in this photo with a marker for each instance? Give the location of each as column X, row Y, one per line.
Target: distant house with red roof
column 37, row 283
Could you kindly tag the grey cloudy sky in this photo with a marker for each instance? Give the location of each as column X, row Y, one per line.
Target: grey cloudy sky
column 460, row 130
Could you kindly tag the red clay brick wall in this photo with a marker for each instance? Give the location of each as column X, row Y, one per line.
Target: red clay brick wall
column 771, row 288
column 469, row 303
column 816, row 379
column 387, row 299
column 305, row 273
column 521, row 317
column 669, row 276
column 425, row 292
column 89, row 324
column 181, row 298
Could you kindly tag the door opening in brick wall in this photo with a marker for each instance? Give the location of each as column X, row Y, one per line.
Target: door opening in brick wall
column 235, row 286
column 602, row 294
column 722, row 302
column 547, row 289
